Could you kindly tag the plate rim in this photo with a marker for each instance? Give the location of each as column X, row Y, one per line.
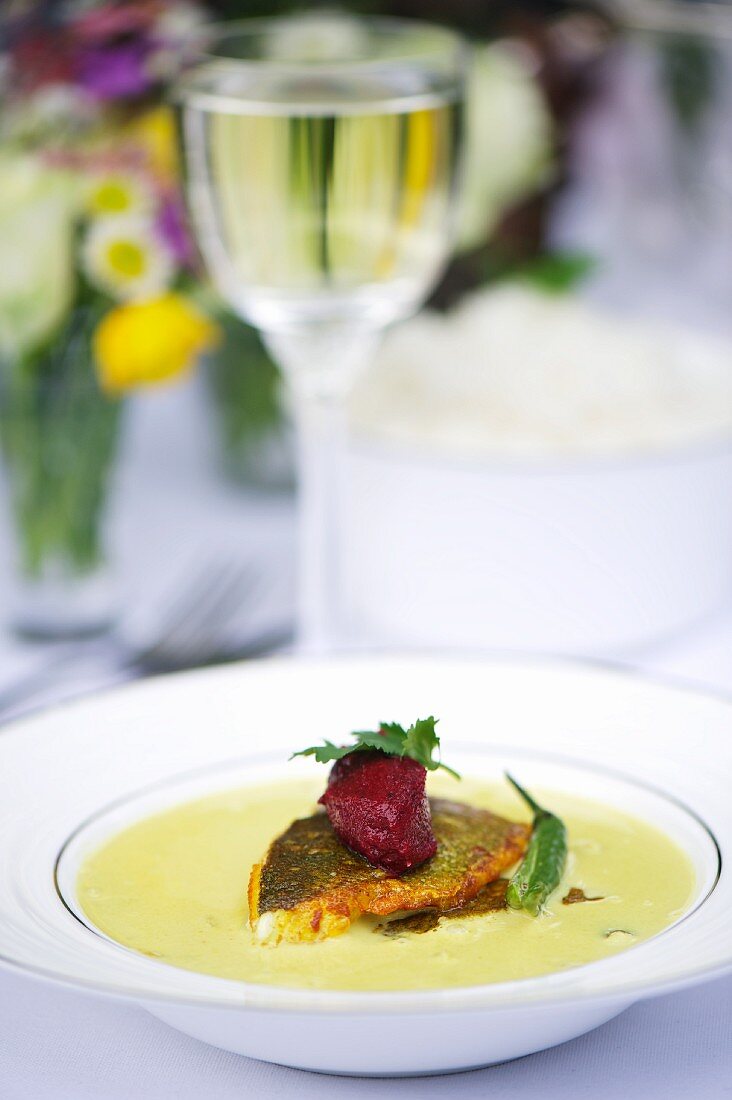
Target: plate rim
column 591, row 664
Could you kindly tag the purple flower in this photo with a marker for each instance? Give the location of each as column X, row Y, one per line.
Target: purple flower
column 116, row 71
column 172, row 228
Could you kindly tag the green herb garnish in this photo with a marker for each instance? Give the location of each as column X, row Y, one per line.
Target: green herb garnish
column 419, row 742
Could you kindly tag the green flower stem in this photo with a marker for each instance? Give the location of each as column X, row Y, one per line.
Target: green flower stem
column 58, row 436
column 245, row 385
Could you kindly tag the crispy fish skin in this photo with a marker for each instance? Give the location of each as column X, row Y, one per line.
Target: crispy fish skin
column 309, row 886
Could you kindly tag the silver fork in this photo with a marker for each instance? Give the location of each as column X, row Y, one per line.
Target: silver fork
column 189, row 634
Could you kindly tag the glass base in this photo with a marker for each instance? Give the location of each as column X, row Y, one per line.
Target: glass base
column 60, row 605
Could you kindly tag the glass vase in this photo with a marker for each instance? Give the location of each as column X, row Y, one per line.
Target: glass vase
column 58, row 439
column 254, row 433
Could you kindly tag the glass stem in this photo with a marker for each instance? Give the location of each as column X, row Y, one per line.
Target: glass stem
column 320, row 438
column 320, row 365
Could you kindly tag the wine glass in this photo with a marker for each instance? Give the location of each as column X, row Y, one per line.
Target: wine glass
column 322, row 159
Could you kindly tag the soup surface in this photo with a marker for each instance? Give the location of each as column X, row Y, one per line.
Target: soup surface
column 174, row 886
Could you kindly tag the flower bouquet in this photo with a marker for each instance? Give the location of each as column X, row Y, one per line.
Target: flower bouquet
column 97, row 281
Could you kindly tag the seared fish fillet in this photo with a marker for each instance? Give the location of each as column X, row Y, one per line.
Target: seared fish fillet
column 310, row 886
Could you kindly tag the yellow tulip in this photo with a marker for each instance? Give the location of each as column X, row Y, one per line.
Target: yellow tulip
column 155, row 131
column 143, row 343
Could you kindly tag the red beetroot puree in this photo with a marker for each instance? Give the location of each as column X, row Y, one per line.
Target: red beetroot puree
column 377, row 806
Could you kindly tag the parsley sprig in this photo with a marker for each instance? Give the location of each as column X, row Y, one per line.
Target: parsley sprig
column 420, row 742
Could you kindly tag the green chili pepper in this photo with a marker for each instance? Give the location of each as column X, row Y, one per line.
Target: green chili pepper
column 543, row 865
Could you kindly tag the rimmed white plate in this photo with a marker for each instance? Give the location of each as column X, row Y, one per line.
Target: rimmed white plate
column 73, row 775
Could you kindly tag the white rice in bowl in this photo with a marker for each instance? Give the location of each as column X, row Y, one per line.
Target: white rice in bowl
column 515, row 372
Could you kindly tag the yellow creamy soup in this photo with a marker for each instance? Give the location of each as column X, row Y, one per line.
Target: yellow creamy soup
column 174, row 886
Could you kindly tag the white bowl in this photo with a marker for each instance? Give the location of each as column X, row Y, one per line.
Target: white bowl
column 588, row 556
column 70, row 777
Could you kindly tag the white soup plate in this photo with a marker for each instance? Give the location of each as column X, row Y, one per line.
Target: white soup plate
column 72, row 776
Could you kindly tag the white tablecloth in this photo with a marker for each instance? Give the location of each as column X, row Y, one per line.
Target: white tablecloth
column 70, row 1047
column 60, row 1045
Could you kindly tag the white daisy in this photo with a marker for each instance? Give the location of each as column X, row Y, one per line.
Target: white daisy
column 317, row 36
column 123, row 257
column 176, row 35
column 110, row 193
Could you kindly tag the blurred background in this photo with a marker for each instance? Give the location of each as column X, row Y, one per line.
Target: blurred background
column 539, row 461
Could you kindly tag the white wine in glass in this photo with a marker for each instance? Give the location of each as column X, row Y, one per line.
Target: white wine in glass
column 322, row 156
